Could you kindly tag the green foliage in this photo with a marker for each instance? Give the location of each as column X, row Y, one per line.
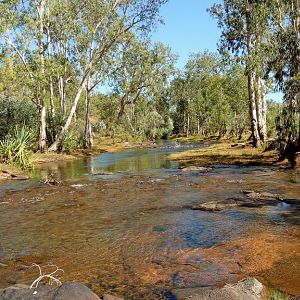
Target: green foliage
column 54, row 125
column 274, row 112
column 15, row 148
column 72, row 141
column 284, row 62
column 209, row 98
column 16, row 113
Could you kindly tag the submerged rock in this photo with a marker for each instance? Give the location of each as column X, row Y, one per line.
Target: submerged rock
column 250, row 199
column 7, row 175
column 215, row 206
column 262, row 195
column 248, row 289
column 103, row 174
column 195, row 168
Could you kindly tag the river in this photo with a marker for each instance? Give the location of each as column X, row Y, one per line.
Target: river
column 121, row 224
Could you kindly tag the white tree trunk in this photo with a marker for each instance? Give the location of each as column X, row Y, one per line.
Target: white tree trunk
column 251, row 89
column 88, row 133
column 57, row 144
column 262, row 112
column 62, row 97
column 42, row 104
column 252, row 111
column 49, row 49
column 42, row 135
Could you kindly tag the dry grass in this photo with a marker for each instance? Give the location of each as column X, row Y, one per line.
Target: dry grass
column 224, row 153
column 38, row 158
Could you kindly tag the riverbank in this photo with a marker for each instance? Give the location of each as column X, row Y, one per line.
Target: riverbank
column 102, row 145
column 226, row 153
column 211, row 151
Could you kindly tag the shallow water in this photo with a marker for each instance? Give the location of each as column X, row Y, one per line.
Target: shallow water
column 120, row 223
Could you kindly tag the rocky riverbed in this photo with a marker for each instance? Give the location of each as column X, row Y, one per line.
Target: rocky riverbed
column 144, row 233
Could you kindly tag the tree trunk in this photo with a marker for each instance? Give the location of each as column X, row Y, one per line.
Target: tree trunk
column 62, row 98
column 252, row 111
column 260, row 102
column 88, row 134
column 49, row 49
column 42, row 103
column 43, row 134
column 61, row 82
column 122, row 108
column 188, row 125
column 57, row 144
column 264, row 109
column 251, row 90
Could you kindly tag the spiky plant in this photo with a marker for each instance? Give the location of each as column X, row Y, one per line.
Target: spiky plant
column 15, row 147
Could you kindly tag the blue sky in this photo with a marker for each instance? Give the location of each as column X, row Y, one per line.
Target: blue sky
column 189, row 28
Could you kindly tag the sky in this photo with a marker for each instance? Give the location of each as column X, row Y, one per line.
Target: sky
column 189, row 28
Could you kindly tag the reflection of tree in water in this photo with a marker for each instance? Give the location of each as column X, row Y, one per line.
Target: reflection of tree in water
column 136, row 163
column 63, row 169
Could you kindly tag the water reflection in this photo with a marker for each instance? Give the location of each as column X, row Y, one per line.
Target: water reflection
column 127, row 161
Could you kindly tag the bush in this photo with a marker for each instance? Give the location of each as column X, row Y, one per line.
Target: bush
column 72, row 141
column 15, row 148
column 16, row 113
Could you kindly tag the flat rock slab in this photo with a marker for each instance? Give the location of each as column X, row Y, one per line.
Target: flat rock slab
column 215, row 206
column 195, row 168
column 262, row 195
column 249, row 199
column 248, row 289
column 7, row 175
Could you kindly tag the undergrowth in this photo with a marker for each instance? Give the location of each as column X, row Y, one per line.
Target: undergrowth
column 15, row 148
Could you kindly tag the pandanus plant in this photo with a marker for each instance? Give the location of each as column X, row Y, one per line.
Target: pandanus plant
column 15, row 147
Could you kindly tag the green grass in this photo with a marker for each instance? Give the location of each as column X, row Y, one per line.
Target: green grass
column 277, row 295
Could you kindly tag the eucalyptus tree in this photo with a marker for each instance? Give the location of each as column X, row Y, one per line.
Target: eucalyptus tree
column 104, row 24
column 203, row 77
column 23, row 33
column 209, row 97
column 143, row 72
column 235, row 88
column 244, row 25
column 62, row 46
column 284, row 62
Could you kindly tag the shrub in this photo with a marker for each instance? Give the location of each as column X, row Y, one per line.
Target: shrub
column 16, row 113
column 15, row 148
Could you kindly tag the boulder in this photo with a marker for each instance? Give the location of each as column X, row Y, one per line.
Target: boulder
column 67, row 291
column 74, row 291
